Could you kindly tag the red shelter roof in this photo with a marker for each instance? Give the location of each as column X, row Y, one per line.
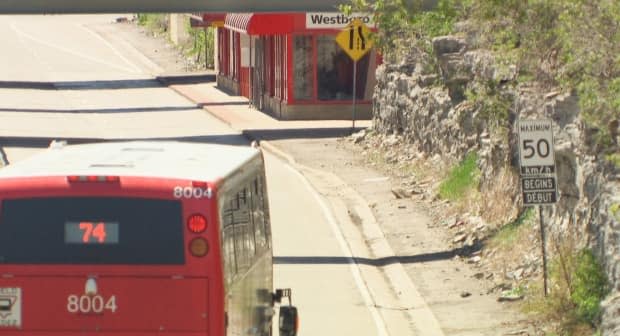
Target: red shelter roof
column 259, row 23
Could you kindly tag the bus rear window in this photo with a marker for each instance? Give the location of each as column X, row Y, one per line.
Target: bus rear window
column 91, row 230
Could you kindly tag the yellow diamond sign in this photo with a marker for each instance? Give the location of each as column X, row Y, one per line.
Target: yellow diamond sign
column 355, row 39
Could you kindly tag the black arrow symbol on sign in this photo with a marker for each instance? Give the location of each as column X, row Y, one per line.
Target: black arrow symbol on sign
column 351, row 36
column 363, row 40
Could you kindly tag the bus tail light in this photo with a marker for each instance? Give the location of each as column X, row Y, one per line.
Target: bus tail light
column 197, row 223
column 198, row 247
column 92, row 178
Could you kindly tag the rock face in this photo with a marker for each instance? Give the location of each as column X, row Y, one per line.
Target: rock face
column 432, row 114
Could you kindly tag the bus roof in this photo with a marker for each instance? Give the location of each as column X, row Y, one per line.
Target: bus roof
column 159, row 159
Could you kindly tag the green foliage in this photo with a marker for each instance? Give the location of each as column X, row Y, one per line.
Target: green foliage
column 589, row 288
column 493, row 104
column 578, row 285
column 202, row 45
column 615, row 211
column 398, row 19
column 153, row 22
column 614, row 158
column 461, row 179
column 437, row 22
column 508, row 233
column 571, row 43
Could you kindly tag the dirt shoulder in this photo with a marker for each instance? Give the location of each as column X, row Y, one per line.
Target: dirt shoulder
column 448, row 278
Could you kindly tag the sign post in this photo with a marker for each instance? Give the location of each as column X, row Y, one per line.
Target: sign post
column 538, row 174
column 355, row 40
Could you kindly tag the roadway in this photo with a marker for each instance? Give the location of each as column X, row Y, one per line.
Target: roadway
column 75, row 78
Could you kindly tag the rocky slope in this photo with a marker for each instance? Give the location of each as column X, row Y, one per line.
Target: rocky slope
column 431, row 114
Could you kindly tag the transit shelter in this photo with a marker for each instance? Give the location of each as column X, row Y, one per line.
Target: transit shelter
column 290, row 66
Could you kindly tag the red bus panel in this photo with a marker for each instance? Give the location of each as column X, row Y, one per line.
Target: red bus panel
column 106, row 304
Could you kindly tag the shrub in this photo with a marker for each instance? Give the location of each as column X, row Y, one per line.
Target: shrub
column 202, row 47
column 577, row 287
column 154, row 22
column 589, row 287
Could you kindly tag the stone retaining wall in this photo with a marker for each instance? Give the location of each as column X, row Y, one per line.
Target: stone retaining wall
column 430, row 111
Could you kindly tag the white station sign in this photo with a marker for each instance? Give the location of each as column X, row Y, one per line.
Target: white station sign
column 335, row 20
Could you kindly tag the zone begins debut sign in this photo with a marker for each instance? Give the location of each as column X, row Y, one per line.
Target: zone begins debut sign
column 537, row 158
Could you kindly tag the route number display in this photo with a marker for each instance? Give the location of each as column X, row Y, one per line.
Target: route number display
column 537, row 161
column 91, row 232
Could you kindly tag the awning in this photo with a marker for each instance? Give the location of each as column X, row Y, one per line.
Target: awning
column 259, row 23
column 207, row 19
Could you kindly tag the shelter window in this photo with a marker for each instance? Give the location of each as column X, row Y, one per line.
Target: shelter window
column 303, row 67
column 335, row 71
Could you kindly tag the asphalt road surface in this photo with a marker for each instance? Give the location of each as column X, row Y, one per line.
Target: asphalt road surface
column 73, row 77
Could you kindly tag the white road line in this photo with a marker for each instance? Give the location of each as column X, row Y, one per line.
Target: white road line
column 346, row 250
column 68, row 51
column 109, row 45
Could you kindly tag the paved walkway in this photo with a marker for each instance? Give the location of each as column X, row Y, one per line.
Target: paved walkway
column 237, row 113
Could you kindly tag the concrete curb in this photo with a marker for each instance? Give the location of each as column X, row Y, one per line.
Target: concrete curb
column 375, row 241
column 247, row 134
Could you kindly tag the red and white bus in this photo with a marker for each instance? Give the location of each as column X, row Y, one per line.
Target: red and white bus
column 138, row 238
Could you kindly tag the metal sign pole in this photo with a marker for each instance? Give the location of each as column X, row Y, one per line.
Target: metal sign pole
column 544, row 250
column 354, row 93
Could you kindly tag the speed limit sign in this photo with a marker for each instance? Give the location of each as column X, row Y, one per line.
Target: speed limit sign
column 536, row 147
column 537, row 160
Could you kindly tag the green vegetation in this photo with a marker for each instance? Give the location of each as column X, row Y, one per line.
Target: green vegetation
column 202, row 47
column 614, row 209
column 490, row 101
column 462, row 179
column 508, row 234
column 578, row 284
column 154, row 22
column 572, row 44
column 589, row 287
column 403, row 19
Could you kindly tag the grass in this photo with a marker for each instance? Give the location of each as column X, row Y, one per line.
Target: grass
column 613, row 158
column 462, row 179
column 509, row 234
column 154, row 22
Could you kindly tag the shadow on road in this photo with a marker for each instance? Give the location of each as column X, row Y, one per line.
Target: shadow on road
column 106, row 110
column 83, row 85
column 121, row 110
column 44, row 142
column 300, row 133
column 187, row 79
column 379, row 262
column 144, row 83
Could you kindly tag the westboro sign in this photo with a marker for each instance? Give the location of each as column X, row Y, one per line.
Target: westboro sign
column 335, row 20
